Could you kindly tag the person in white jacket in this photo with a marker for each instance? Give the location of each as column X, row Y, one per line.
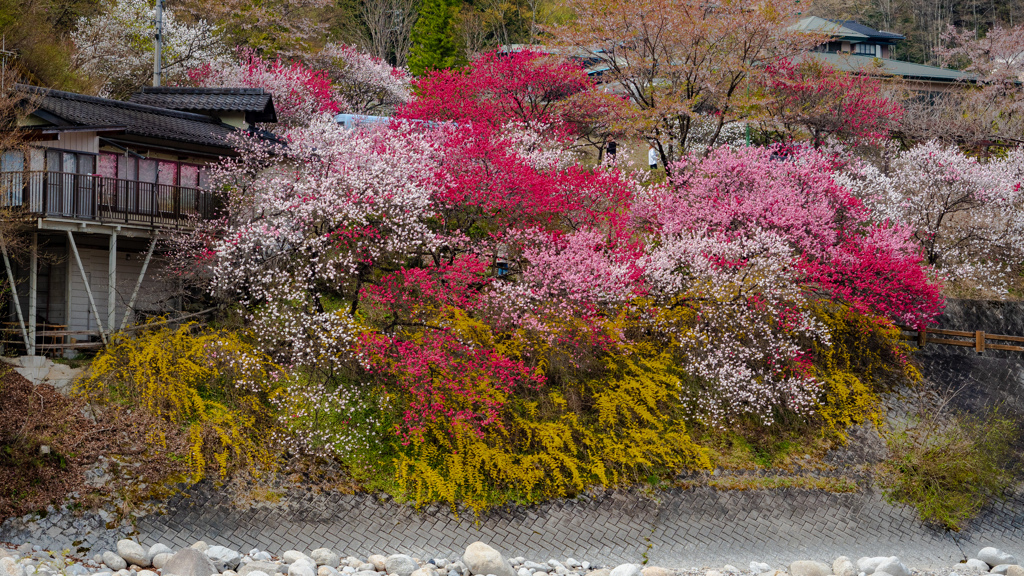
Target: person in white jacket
column 652, row 157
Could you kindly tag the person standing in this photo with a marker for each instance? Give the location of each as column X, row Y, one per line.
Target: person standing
column 610, row 149
column 652, row 157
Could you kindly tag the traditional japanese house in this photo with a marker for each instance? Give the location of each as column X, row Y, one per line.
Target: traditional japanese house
column 100, row 182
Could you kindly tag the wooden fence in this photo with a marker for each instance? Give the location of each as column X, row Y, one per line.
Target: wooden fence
column 979, row 339
column 56, row 338
column 50, row 337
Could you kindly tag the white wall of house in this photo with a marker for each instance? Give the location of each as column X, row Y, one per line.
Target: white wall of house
column 78, row 141
column 154, row 295
column 60, row 299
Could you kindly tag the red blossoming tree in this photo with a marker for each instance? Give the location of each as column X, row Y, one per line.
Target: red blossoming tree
column 813, row 99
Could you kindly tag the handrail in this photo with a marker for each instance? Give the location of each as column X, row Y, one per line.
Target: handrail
column 105, row 199
column 978, row 339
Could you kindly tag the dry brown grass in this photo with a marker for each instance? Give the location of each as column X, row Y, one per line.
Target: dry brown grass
column 32, row 416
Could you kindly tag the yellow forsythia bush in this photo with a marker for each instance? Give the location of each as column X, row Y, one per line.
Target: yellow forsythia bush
column 626, row 426
column 212, row 383
column 864, row 356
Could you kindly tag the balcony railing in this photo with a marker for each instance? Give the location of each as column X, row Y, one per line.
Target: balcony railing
column 105, row 200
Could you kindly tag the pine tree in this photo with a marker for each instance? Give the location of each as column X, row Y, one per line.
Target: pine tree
column 435, row 43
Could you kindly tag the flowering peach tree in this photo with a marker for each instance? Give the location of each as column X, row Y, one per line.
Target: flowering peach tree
column 449, row 269
column 964, row 213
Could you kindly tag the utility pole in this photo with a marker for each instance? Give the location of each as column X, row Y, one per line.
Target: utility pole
column 5, row 55
column 157, row 68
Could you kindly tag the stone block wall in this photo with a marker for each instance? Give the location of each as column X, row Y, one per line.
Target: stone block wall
column 981, row 381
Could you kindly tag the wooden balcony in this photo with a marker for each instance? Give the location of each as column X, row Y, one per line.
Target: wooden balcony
column 105, row 200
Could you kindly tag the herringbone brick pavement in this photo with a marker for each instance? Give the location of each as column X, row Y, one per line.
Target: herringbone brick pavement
column 676, row 529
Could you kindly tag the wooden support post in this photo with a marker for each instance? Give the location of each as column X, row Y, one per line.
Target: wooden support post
column 88, row 290
column 14, row 292
column 138, row 283
column 112, row 283
column 922, row 336
column 979, row 341
column 33, row 285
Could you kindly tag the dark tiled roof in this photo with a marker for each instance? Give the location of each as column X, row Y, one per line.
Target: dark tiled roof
column 868, row 31
column 138, row 119
column 253, row 100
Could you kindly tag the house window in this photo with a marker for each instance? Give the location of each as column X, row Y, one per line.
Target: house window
column 12, row 163
column 168, row 172
column 866, row 49
column 189, row 176
column 70, row 162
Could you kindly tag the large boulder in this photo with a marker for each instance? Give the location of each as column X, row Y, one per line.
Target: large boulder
column 113, row 561
column 224, row 558
column 894, row 567
column 189, row 562
column 8, row 567
column 301, row 568
column 843, row 566
column 995, row 557
column 1015, row 570
column 482, row 559
column 427, row 570
column 293, row 555
column 257, row 566
column 161, row 559
column 325, row 557
column 868, row 564
column 157, row 549
column 400, row 564
column 809, row 568
column 627, row 570
column 976, row 565
column 133, row 553
column 378, row 562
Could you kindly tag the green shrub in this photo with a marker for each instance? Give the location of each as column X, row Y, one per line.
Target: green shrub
column 950, row 469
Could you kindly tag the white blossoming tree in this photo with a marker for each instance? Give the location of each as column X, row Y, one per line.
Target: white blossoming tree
column 967, row 215
column 117, row 46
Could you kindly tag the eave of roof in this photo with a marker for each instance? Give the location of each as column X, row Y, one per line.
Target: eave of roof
column 869, row 31
column 58, row 129
column 823, row 26
column 909, row 70
column 251, row 100
column 78, row 110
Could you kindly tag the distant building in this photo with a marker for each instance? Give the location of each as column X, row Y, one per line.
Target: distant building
column 851, row 37
column 101, row 181
column 855, row 47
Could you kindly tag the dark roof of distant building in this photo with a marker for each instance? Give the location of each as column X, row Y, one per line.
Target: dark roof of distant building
column 868, row 31
column 256, row 103
column 850, row 30
column 77, row 110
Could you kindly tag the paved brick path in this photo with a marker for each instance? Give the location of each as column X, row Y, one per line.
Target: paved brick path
column 701, row 527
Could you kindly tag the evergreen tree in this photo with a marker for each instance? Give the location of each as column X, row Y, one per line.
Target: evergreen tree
column 435, row 41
